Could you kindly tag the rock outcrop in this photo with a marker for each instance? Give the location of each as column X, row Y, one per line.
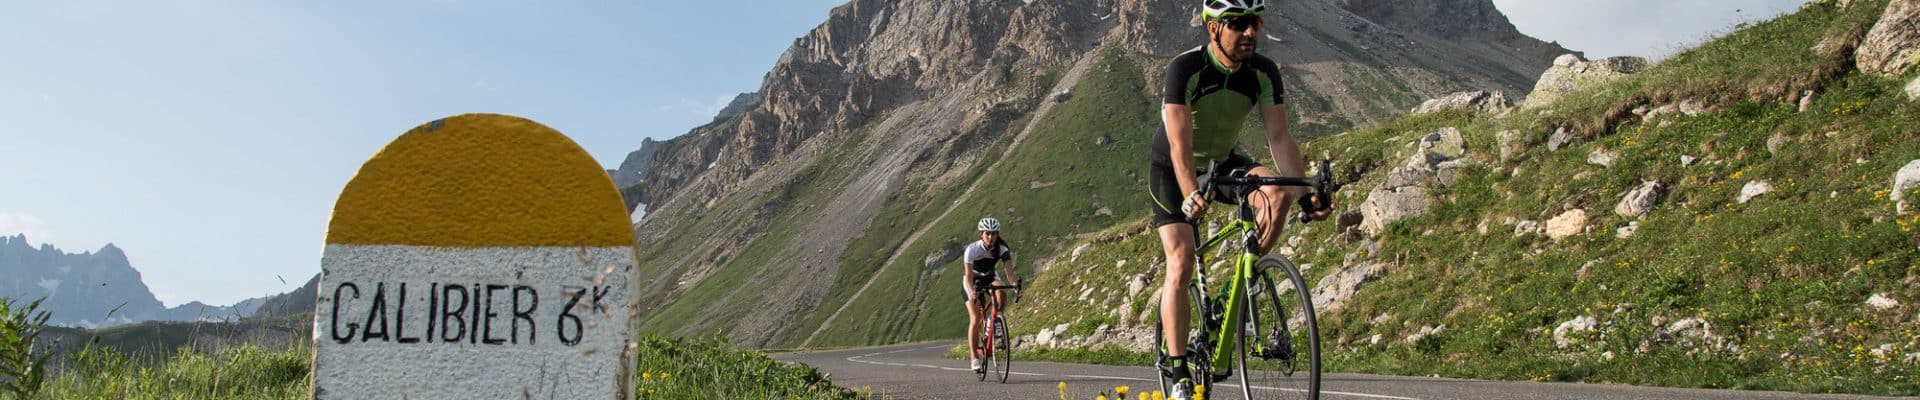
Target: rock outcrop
column 1892, row 47
column 1570, row 72
column 1913, row 89
column 1905, row 181
column 1640, row 200
column 1479, row 101
column 1405, row 192
column 1753, row 189
column 1569, row 223
column 1333, row 291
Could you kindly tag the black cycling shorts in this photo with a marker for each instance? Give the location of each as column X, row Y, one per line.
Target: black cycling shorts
column 980, row 280
column 1165, row 193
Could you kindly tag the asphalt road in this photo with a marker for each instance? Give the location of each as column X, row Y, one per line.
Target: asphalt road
column 920, row 371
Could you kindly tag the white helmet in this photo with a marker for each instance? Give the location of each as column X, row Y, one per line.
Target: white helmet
column 1217, row 9
column 989, row 224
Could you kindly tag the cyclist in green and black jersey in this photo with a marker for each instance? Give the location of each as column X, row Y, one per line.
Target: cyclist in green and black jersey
column 1207, row 95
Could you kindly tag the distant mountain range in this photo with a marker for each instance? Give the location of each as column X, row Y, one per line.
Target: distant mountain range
column 94, row 289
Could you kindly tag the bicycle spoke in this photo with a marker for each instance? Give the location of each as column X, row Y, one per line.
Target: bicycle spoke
column 1284, row 349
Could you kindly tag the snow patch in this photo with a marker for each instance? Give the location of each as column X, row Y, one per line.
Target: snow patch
column 639, row 212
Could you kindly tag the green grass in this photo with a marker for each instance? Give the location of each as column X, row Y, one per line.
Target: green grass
column 1782, row 280
column 701, row 368
column 243, row 372
column 706, row 368
column 1084, row 177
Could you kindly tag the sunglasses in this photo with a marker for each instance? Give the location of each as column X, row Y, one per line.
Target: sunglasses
column 1241, row 23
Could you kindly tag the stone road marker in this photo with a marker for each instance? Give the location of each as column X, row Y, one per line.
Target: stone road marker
column 479, row 256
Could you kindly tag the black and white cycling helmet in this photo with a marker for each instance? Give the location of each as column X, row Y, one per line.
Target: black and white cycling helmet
column 989, row 224
column 1217, row 9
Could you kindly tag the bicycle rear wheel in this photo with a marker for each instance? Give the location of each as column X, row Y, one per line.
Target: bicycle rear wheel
column 1003, row 348
column 1283, row 338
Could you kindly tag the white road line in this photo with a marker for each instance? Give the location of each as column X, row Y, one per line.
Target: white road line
column 858, row 359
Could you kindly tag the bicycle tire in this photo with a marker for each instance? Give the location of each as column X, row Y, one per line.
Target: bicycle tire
column 1003, row 351
column 1291, row 324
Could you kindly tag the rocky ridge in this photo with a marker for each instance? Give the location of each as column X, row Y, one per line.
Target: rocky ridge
column 92, row 289
column 916, row 90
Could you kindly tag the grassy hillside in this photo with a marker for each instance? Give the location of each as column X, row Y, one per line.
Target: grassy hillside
column 1710, row 291
column 1076, row 173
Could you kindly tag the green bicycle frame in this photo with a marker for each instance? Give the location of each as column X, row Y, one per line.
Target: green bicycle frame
column 1242, row 272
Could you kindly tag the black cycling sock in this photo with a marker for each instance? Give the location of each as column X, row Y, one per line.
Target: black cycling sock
column 1179, row 367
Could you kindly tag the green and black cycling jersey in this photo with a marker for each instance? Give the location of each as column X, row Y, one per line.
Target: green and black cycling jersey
column 1220, row 98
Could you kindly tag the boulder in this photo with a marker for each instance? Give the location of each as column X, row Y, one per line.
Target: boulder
column 1567, row 224
column 1881, row 302
column 1600, row 157
column 1526, row 227
column 1569, row 73
column 1481, row 101
column 1513, row 142
column 1448, row 173
column 1776, row 143
column 1754, row 189
column 1686, row 160
column 1640, row 200
column 1333, row 291
column 1892, row 47
column 1577, row 324
column 1561, row 138
column 1913, row 89
column 1424, row 332
column 1385, row 205
column 1348, row 219
column 1442, row 145
column 1627, row 231
column 1905, row 181
column 1405, row 191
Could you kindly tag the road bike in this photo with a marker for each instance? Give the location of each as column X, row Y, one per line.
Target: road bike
column 996, row 345
column 1280, row 332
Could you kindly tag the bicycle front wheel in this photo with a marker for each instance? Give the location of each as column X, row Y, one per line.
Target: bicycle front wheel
column 1002, row 348
column 1281, row 338
column 986, row 349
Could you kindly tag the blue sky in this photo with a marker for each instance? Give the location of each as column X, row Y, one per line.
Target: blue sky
column 209, row 139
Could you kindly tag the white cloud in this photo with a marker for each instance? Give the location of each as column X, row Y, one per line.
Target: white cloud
column 27, row 224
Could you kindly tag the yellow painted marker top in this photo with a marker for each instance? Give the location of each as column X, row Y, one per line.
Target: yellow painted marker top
column 481, row 180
